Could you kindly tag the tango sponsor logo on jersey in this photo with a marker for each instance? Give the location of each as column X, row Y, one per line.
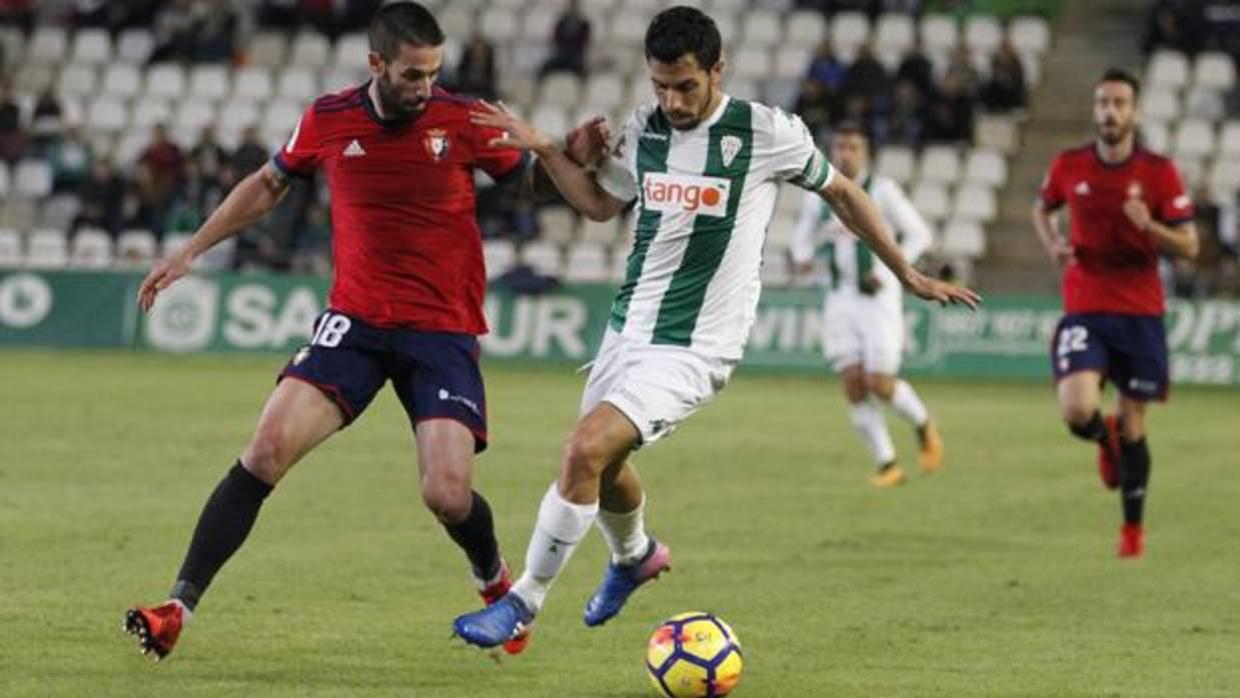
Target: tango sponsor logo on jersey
column 437, row 143
column 685, row 194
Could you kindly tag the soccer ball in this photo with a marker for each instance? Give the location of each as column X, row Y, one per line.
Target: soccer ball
column 693, row 655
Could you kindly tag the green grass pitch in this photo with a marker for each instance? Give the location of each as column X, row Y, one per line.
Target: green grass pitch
column 995, row 577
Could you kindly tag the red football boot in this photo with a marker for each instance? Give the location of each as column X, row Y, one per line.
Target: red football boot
column 1131, row 541
column 494, row 592
column 157, row 628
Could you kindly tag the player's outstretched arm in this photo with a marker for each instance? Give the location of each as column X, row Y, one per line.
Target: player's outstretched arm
column 857, row 211
column 577, row 184
column 250, row 200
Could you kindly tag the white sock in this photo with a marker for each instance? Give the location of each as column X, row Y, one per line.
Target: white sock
column 625, row 533
column 870, row 424
column 906, row 403
column 561, row 526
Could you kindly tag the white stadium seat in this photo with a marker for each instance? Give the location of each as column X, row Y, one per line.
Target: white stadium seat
column 48, row 45
column 550, row 118
column 1156, row 136
column 539, row 23
column 964, row 239
column 628, row 29
column 32, row 178
column 1225, row 176
column 752, row 63
column 1204, row 103
column 310, row 49
column 975, row 202
column 78, row 80
column 338, row 79
column 298, row 84
column 268, row 49
column 281, row 117
column 896, row 162
column 557, row 223
column 986, row 166
column 499, row 256
column 134, row 46
column 996, row 131
column 5, row 180
column 1193, row 138
column 604, row 91
column 762, row 28
column 93, row 46
column 603, row 232
column 1229, row 139
column 191, row 115
column 560, row 89
column 983, row 33
column 499, row 24
column 939, row 33
column 1192, row 171
column 209, row 82
column 895, row 32
column 805, row 28
column 849, row 30
column 456, row 20
column 135, row 247
column 588, row 262
column 1168, row 69
column 122, row 80
column 543, row 257
column 1214, row 70
column 931, row 200
column 130, row 145
column 166, row 80
column 47, row 248
column 148, row 112
column 1030, row 35
column 940, row 163
column 239, row 113
column 352, row 51
column 91, row 248
column 13, row 44
column 792, row 60
column 10, row 248
column 253, row 82
column 1160, row 104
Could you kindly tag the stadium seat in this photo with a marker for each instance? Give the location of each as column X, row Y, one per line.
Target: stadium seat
column 12, row 44
column 192, row 114
column 352, row 51
column 805, row 28
column 1214, row 70
column 91, row 248
column 762, row 28
column 209, row 81
column 604, row 91
column 1156, row 136
column 975, row 202
column 1030, row 35
column 166, row 80
column 1193, row 138
column 1225, row 176
column 47, row 248
column 939, row 33
column 122, row 80
column 557, row 223
column 239, row 113
column 1167, row 68
column 253, row 82
column 964, row 239
column 33, row 78
column 641, row 91
column 134, row 46
column 895, row 33
column 930, row 198
column 940, row 163
column 172, row 242
column 499, row 24
column 603, row 232
column 743, row 88
column 48, row 45
column 543, row 257
column 338, row 79
column 791, row 61
column 983, row 34
column 32, row 178
column 78, row 80
column 752, row 63
column 550, row 118
column 499, row 256
column 560, row 89
column 268, row 49
column 1160, row 104
column 135, row 248
column 1204, row 103
column 986, row 166
column 298, row 84
column 1229, row 139
column 730, row 6
column 1192, row 171
column 59, row 211
column 91, row 46
column 148, row 112
column 10, row 248
column 457, row 20
column 780, row 92
column 896, row 162
column 588, row 262
column 539, row 23
column 281, row 117
column 849, row 30
column 5, row 180
column 310, row 49
column 628, row 29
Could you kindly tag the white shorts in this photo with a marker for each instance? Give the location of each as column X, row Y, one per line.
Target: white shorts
column 863, row 333
column 655, row 385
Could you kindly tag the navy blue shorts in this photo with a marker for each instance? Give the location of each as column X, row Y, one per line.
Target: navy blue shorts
column 436, row 374
column 1128, row 350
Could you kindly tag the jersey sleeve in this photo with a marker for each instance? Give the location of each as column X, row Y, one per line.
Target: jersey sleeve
column 502, row 164
column 803, row 245
column 1052, row 192
column 1175, row 206
column 795, row 158
column 916, row 236
column 617, row 175
column 303, row 152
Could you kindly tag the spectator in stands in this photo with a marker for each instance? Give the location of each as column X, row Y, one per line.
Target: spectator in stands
column 1220, row 26
column 214, row 36
column 102, row 195
column 570, row 42
column 18, row 12
column 963, row 71
column 278, row 14
column 908, row 115
column 208, row 155
column 251, row 154
column 475, row 75
column 1005, row 90
column 828, row 70
column 950, row 115
column 12, row 137
column 1172, row 24
column 815, row 107
column 176, row 29
column 916, row 68
column 47, row 111
column 868, row 80
column 158, row 174
column 71, row 157
column 312, row 252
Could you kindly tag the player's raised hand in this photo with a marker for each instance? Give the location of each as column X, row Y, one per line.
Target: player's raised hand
column 1138, row 213
column 587, row 144
column 162, row 275
column 940, row 291
column 518, row 133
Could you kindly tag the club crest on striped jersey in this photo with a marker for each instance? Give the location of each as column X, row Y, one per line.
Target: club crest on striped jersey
column 670, row 193
column 437, row 143
column 729, row 146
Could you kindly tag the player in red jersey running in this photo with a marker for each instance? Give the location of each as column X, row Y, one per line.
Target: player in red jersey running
column 405, row 304
column 1127, row 206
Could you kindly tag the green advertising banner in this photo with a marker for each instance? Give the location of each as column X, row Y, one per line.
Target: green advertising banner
column 1009, row 336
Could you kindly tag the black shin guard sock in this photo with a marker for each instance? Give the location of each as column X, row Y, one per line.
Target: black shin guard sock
column 1134, row 476
column 1092, row 430
column 476, row 536
column 226, row 520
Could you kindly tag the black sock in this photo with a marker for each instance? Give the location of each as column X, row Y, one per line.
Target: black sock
column 476, row 536
column 1134, row 475
column 1092, row 430
column 225, row 522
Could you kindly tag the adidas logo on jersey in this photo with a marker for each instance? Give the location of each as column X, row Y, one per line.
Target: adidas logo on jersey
column 1082, row 189
column 685, row 194
column 354, row 150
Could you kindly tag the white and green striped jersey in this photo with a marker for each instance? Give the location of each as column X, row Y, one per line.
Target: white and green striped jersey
column 848, row 261
column 704, row 199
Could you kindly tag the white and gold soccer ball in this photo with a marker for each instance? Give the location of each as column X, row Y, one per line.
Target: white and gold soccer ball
column 693, row 655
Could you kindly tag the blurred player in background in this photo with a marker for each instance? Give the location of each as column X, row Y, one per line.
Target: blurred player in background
column 405, row 305
column 863, row 322
column 1127, row 206
column 703, row 169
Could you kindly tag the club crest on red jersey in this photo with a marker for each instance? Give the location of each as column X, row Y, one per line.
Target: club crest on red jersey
column 437, row 143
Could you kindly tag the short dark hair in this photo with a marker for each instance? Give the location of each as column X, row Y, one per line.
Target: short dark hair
column 1121, row 75
column 682, row 30
column 850, row 128
column 403, row 23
